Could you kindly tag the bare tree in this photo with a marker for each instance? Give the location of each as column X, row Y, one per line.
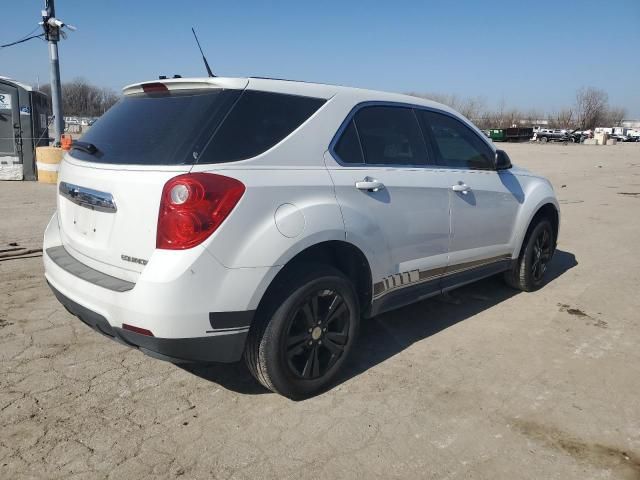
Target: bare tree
column 512, row 118
column 615, row 116
column 532, row 117
column 83, row 99
column 445, row 99
column 562, row 119
column 483, row 121
column 475, row 109
column 108, row 100
column 591, row 107
column 502, row 117
column 470, row 107
column 591, row 110
column 497, row 118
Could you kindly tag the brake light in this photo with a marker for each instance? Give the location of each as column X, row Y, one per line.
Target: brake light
column 193, row 206
column 154, row 87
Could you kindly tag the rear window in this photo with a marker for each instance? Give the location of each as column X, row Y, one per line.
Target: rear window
column 187, row 127
column 157, row 129
column 256, row 123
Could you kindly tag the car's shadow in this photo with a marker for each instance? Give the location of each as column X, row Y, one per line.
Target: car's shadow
column 232, row 376
column 386, row 335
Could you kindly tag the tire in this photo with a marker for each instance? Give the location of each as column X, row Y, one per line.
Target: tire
column 527, row 273
column 304, row 332
column 544, row 139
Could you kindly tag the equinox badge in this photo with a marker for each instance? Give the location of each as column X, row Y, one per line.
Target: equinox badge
column 140, row 261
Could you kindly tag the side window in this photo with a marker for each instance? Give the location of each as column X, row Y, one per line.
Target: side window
column 390, row 136
column 257, row 122
column 348, row 147
column 455, row 144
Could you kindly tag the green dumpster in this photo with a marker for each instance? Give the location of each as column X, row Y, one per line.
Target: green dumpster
column 498, row 134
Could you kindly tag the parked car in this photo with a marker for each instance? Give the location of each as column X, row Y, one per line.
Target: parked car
column 578, row 136
column 546, row 135
column 269, row 216
column 625, row 138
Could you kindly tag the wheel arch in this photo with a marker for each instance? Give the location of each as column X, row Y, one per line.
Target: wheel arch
column 344, row 256
column 546, row 209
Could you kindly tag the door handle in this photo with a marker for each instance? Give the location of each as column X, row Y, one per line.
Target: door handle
column 370, row 185
column 461, row 187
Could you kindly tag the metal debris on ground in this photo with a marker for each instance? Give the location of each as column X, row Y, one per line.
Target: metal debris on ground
column 14, row 251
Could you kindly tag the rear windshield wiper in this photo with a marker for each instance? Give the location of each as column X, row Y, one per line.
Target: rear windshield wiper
column 87, row 147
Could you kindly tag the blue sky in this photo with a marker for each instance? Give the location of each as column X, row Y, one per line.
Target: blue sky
column 526, row 54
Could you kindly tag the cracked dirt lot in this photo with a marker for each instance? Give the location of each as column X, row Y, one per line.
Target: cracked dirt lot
column 483, row 383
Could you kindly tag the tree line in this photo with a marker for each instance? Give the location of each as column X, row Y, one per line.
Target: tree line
column 81, row 99
column 590, row 109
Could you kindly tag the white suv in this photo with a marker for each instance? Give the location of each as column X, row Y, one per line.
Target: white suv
column 208, row 219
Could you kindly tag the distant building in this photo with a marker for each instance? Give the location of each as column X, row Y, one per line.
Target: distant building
column 541, row 123
column 635, row 124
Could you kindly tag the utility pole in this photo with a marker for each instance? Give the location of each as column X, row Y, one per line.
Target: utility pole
column 52, row 34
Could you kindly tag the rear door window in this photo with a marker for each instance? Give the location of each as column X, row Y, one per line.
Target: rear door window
column 168, row 128
column 390, row 136
column 348, row 147
column 455, row 144
column 257, row 122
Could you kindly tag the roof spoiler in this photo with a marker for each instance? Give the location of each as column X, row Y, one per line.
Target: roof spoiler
column 190, row 84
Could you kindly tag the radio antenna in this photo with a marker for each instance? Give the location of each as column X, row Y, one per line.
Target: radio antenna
column 204, row 59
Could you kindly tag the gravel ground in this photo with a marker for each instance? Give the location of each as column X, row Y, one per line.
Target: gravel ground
column 482, row 383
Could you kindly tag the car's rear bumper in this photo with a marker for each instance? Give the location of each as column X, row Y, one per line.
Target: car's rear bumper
column 195, row 308
column 220, row 348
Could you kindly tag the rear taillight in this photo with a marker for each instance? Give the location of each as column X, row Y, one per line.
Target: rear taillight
column 193, row 206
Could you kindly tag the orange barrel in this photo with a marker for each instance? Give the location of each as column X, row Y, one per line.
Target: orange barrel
column 47, row 161
column 66, row 141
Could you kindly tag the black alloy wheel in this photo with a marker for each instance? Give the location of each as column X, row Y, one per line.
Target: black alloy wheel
column 304, row 330
column 542, row 253
column 528, row 271
column 317, row 335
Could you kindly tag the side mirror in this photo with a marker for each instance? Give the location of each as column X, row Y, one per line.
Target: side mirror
column 503, row 162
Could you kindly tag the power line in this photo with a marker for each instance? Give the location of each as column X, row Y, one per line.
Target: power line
column 24, row 37
column 21, row 41
column 31, row 32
